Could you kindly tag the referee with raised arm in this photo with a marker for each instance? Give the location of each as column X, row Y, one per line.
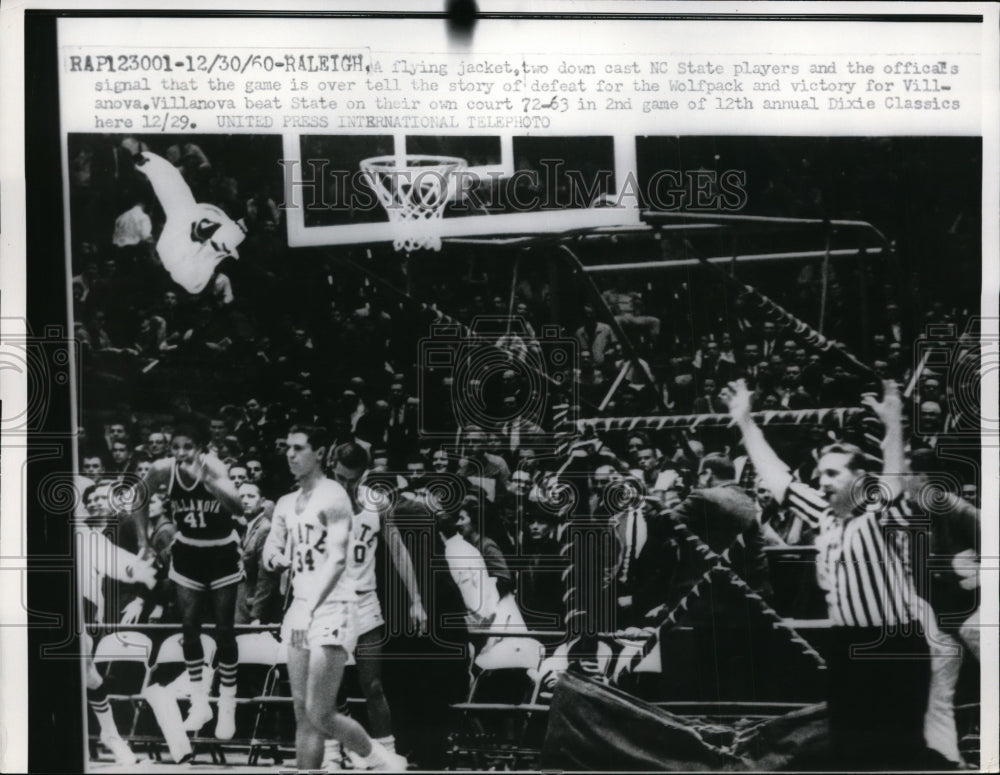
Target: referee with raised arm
column 878, row 659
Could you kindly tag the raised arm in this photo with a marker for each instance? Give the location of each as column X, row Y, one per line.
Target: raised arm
column 890, row 412
column 218, row 483
column 167, row 181
column 404, row 567
column 771, row 469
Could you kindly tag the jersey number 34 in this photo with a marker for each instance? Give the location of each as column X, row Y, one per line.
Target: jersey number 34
column 304, row 560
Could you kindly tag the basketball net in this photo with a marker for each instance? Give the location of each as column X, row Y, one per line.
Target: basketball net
column 413, row 190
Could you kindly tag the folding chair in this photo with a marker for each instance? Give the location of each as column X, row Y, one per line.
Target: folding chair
column 258, row 652
column 507, row 672
column 169, row 666
column 274, row 726
column 257, row 656
column 169, row 669
column 500, row 706
column 122, row 659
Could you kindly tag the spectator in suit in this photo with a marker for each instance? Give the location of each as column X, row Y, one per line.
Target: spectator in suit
column 742, row 320
column 929, row 423
column 769, row 344
column 218, row 429
column 630, row 313
column 593, row 336
column 791, row 392
column 257, row 599
column 520, row 430
column 603, row 477
column 540, row 584
column 401, row 428
column 719, row 512
column 592, row 382
column 780, row 527
column 708, row 402
column 635, row 442
column 485, row 470
column 648, row 465
column 706, row 359
column 750, row 358
column 238, row 475
column 630, row 529
column 725, row 368
column 372, row 427
column 116, row 431
column 930, row 388
column 121, row 458
column 416, row 474
column 682, row 385
column 255, row 471
column 156, row 445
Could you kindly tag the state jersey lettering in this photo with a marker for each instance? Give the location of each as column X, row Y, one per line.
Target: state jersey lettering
column 307, row 535
column 366, row 525
column 197, row 513
column 196, row 236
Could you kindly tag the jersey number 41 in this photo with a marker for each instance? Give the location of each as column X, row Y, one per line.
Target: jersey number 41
column 194, row 520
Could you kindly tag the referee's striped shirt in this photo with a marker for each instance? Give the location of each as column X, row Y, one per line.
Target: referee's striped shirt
column 863, row 563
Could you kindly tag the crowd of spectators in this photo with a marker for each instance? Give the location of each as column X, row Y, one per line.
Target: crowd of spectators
column 285, row 337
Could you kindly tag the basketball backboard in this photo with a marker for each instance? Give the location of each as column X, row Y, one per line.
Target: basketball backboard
column 510, row 184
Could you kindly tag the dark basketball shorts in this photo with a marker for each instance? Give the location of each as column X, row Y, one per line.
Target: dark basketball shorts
column 205, row 566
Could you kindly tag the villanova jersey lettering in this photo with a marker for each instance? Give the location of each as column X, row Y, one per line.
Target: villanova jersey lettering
column 206, row 506
column 196, row 511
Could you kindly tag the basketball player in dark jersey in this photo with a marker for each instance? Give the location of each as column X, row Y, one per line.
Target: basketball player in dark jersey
column 205, row 561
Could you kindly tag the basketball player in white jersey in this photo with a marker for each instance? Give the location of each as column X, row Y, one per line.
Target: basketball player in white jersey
column 96, row 559
column 310, row 532
column 196, row 236
column 369, row 505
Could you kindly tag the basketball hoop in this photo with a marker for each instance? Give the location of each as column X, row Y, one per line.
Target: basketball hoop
column 414, row 190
